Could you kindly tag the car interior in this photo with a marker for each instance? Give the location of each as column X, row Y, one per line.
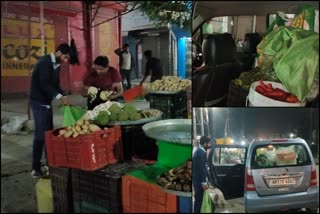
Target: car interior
column 227, row 169
column 225, row 37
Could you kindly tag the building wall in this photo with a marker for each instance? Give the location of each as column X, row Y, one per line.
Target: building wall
column 106, row 36
column 77, row 71
column 21, row 39
column 62, row 23
column 133, row 21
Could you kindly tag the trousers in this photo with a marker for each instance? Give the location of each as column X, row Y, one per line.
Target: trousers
column 43, row 121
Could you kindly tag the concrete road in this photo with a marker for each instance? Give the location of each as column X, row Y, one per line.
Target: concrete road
column 17, row 186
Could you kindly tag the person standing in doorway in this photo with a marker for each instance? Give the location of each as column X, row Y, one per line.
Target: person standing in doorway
column 126, row 63
column 45, row 86
column 199, row 172
column 153, row 65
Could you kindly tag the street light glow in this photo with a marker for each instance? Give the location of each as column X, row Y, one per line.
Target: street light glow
column 291, row 135
column 232, row 141
column 243, row 142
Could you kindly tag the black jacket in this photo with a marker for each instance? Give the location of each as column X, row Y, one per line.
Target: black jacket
column 199, row 167
column 119, row 52
column 45, row 81
column 154, row 65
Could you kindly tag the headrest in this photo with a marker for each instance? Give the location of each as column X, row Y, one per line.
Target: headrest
column 218, row 49
column 251, row 40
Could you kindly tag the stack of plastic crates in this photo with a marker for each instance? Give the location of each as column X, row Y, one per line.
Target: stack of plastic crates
column 100, row 191
column 173, row 106
column 61, row 189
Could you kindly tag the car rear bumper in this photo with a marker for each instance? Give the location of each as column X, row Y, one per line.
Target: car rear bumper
column 255, row 203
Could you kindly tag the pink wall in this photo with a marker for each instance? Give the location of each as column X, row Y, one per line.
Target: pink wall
column 77, row 71
column 71, row 75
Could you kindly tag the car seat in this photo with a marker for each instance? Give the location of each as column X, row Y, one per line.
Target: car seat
column 247, row 57
column 220, row 66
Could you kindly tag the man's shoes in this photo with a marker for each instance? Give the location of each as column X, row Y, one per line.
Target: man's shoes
column 36, row 174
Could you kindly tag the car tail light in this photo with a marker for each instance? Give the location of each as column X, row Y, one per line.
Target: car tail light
column 249, row 182
column 313, row 181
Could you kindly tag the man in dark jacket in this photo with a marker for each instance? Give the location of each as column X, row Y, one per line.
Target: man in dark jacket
column 154, row 65
column 199, row 172
column 45, row 86
column 126, row 63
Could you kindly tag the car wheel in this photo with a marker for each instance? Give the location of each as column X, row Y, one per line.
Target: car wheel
column 312, row 210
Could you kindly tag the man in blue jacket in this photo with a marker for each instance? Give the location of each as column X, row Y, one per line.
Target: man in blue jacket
column 45, row 86
column 199, row 172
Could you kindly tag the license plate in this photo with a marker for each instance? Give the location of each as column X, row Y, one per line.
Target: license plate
column 281, row 182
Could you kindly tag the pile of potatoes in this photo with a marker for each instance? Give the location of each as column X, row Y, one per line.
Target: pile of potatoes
column 80, row 128
column 178, row 179
column 168, row 83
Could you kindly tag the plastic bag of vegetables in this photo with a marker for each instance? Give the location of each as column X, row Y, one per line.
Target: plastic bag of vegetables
column 71, row 114
column 296, row 58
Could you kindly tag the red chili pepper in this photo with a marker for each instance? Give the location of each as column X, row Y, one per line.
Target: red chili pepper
column 276, row 93
column 260, row 90
column 292, row 99
column 270, row 86
column 264, row 86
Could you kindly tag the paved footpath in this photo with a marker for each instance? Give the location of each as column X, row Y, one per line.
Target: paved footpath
column 17, row 186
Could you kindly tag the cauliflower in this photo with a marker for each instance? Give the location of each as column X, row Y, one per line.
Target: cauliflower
column 105, row 95
column 90, row 115
column 92, row 92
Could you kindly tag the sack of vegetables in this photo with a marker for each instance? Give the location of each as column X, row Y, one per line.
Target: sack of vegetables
column 295, row 54
column 266, row 93
column 304, row 17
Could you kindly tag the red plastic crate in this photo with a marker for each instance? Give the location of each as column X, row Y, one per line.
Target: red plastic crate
column 139, row 196
column 86, row 152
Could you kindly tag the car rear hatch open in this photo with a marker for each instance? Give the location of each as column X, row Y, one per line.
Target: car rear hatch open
column 281, row 168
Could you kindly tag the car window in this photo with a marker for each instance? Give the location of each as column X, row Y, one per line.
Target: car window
column 228, row 156
column 272, row 17
column 237, row 26
column 275, row 155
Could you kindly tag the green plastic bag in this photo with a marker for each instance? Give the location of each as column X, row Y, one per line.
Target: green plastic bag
column 207, row 205
column 167, row 159
column 296, row 58
column 71, row 114
column 304, row 17
column 279, row 21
